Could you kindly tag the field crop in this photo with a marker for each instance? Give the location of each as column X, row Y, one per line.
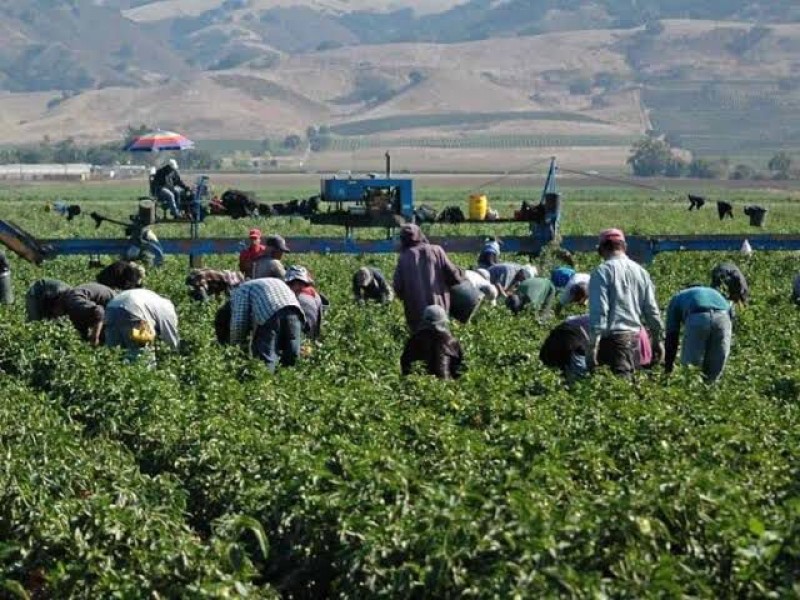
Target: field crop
column 339, row 478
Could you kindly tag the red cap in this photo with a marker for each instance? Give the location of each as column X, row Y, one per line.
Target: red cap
column 255, row 234
column 612, row 235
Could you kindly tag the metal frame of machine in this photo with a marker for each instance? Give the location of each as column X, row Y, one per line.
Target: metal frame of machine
column 395, row 207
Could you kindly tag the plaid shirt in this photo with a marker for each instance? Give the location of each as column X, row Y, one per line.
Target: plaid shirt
column 255, row 302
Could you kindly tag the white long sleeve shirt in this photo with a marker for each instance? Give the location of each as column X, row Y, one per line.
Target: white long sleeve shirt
column 483, row 285
column 621, row 299
column 148, row 306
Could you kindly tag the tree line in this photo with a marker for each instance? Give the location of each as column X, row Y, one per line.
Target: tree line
column 654, row 157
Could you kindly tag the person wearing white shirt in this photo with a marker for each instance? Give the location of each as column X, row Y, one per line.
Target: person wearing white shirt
column 621, row 299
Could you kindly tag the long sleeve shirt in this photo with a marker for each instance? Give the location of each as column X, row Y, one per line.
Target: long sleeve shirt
column 255, row 302
column 85, row 304
column 483, row 285
column 439, row 350
column 503, row 274
column 577, row 279
column 621, row 298
column 377, row 289
column 539, row 292
column 423, row 277
column 148, row 306
column 693, row 300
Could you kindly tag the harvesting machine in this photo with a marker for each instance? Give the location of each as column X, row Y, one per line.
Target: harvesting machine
column 375, row 200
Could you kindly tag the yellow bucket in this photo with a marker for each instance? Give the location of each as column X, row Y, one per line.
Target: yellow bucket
column 478, row 206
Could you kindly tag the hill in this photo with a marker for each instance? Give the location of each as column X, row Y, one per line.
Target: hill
column 443, row 75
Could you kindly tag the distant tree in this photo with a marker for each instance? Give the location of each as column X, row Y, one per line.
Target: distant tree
column 701, row 168
column 649, row 157
column 780, row 164
column 675, row 167
column 292, row 142
column 132, row 132
column 741, row 172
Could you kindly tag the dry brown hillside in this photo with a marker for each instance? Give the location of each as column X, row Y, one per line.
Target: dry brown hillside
column 719, row 86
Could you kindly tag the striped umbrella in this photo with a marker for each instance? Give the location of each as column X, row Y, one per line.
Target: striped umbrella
column 156, row 141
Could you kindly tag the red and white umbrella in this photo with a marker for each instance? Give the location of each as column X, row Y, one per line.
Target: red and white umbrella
column 156, row 141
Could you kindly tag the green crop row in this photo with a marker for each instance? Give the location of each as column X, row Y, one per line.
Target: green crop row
column 502, row 484
column 78, row 518
column 493, row 141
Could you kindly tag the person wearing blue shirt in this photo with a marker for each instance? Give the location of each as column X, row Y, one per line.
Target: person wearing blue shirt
column 706, row 317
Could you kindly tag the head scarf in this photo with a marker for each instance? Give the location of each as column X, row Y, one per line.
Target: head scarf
column 411, row 235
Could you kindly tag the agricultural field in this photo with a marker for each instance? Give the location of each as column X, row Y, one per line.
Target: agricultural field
column 208, row 477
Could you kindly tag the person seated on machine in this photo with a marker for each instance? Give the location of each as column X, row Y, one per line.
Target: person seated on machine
column 169, row 187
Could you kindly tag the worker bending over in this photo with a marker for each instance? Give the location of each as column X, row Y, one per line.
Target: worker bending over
column 729, row 278
column 537, row 292
column 311, row 301
column 480, row 279
column 85, row 306
column 269, row 264
column 266, row 315
column 40, row 299
column 434, row 345
column 706, row 317
column 370, row 284
column 507, row 276
column 203, row 283
column 135, row 318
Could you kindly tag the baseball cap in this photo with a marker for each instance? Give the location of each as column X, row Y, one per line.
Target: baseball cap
column 612, row 235
column 277, row 242
column 255, row 234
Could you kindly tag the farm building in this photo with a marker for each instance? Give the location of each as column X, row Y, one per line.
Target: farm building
column 46, row 172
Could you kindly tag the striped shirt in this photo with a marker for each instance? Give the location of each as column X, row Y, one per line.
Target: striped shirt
column 214, row 281
column 255, row 302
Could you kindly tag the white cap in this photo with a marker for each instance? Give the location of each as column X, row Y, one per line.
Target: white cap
column 746, row 248
column 173, row 163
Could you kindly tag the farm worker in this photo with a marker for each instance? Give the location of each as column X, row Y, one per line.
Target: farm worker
column 370, row 284
column 254, row 250
column 729, row 276
column 424, row 275
column 621, row 298
column 6, row 286
column 560, row 276
column 506, row 276
column 205, row 282
column 40, row 299
column 85, row 307
column 122, row 275
column 267, row 314
column 168, row 186
column 480, row 279
column 576, row 291
column 538, row 292
column 269, row 263
column 706, row 316
column 566, row 347
column 311, row 301
column 434, row 345
column 490, row 254
column 134, row 318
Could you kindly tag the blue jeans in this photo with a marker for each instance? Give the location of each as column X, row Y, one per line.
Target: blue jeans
column 279, row 339
column 707, row 342
column 577, row 368
column 167, row 199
